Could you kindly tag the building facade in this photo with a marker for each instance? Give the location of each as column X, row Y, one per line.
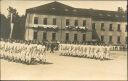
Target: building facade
column 111, row 32
column 58, row 22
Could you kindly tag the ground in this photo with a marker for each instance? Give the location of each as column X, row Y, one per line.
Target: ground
column 68, row 68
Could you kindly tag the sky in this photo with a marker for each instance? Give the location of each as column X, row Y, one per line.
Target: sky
column 22, row 5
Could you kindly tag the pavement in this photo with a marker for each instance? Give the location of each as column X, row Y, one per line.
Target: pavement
column 68, row 68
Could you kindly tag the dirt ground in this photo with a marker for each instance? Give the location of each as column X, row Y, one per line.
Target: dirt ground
column 68, row 68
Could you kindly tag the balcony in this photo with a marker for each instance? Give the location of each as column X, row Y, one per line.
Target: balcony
column 76, row 28
column 43, row 26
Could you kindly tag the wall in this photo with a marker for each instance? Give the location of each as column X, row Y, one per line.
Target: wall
column 61, row 23
column 114, row 33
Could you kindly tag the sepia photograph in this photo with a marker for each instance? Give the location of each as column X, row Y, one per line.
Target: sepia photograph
column 63, row 40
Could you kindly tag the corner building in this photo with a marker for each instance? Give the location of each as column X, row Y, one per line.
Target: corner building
column 59, row 22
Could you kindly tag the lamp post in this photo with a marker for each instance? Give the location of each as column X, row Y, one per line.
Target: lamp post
column 61, row 30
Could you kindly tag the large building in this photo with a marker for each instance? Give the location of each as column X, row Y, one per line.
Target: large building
column 59, row 22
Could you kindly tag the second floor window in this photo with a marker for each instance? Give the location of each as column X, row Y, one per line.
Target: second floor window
column 118, row 27
column 76, row 23
column 67, row 37
column 93, row 26
column 35, row 35
column 102, row 38
column 102, row 27
column 84, row 37
column 110, row 38
column 45, row 21
column 110, row 27
column 67, row 22
column 44, row 36
column 75, row 37
column 118, row 39
column 84, row 22
column 53, row 36
column 35, row 20
column 54, row 21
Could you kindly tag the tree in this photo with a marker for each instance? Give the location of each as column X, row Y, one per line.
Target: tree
column 14, row 14
column 19, row 28
column 120, row 9
column 19, row 23
column 4, row 27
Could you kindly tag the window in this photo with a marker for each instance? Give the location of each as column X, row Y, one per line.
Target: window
column 110, row 38
column 93, row 26
column 66, row 9
column 118, row 39
column 35, row 20
column 54, row 21
column 67, row 37
column 45, row 21
column 84, row 22
column 76, row 23
column 44, row 36
column 75, row 37
column 84, row 37
column 74, row 10
column 35, row 35
column 53, row 36
column 126, row 28
column 102, row 27
column 110, row 27
column 67, row 22
column 102, row 38
column 118, row 28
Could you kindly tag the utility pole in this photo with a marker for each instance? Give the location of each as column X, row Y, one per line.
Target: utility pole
column 61, row 29
column 11, row 23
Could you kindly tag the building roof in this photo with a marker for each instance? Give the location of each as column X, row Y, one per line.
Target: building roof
column 57, row 8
